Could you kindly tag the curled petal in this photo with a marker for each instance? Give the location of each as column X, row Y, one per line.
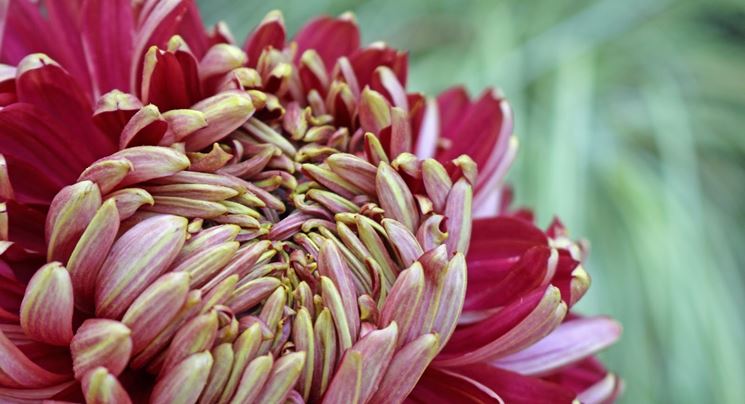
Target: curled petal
column 223, row 363
column 437, row 182
column 220, row 59
column 71, row 211
column 47, row 307
column 113, row 110
column 150, row 162
column 406, row 368
column 376, row 349
column 100, row 342
column 184, row 122
column 285, row 373
column 396, row 198
column 303, row 336
column 17, row 368
column 254, row 378
column 403, row 304
column 570, row 342
column 184, row 382
column 252, row 293
column 406, row 245
column 326, row 346
column 91, row 251
column 206, row 262
column 107, row 174
column 458, row 212
column 374, row 111
column 101, row 387
column 346, row 385
column 146, row 127
column 332, row 265
column 269, row 34
column 224, row 113
column 195, row 336
column 136, row 260
column 206, row 239
column 332, row 299
column 355, row 170
column 155, row 307
column 245, row 348
column 129, row 200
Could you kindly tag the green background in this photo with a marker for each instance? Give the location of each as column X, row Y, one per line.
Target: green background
column 631, row 122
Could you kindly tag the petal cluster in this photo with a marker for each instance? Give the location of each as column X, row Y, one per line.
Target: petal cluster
column 186, row 219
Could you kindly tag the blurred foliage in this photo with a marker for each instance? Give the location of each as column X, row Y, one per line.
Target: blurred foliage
column 630, row 116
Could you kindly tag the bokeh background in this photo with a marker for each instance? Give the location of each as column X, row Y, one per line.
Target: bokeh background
column 631, row 119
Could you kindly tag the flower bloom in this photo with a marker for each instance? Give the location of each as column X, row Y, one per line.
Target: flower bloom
column 190, row 220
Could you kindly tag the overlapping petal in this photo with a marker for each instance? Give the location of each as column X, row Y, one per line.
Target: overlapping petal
column 186, row 220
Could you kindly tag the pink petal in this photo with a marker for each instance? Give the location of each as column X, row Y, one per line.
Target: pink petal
column 91, row 251
column 19, row 369
column 137, row 259
column 100, row 342
column 513, row 328
column 101, row 387
column 569, row 343
column 47, row 308
column 332, row 265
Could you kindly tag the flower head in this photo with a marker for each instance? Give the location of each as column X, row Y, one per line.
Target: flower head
column 190, row 220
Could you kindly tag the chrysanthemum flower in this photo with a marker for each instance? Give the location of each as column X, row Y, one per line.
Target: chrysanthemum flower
column 190, row 220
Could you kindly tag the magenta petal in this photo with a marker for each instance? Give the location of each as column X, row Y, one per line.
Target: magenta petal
column 64, row 18
column 19, row 24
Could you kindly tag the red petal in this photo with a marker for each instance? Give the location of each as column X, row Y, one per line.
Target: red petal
column 174, row 81
column 107, row 29
column 158, row 24
column 19, row 369
column 522, row 277
column 51, row 89
column 515, row 388
column 480, row 130
column 365, row 61
column 192, row 30
column 26, row 225
column 512, row 328
column 270, row 33
column 332, row 38
column 64, row 21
